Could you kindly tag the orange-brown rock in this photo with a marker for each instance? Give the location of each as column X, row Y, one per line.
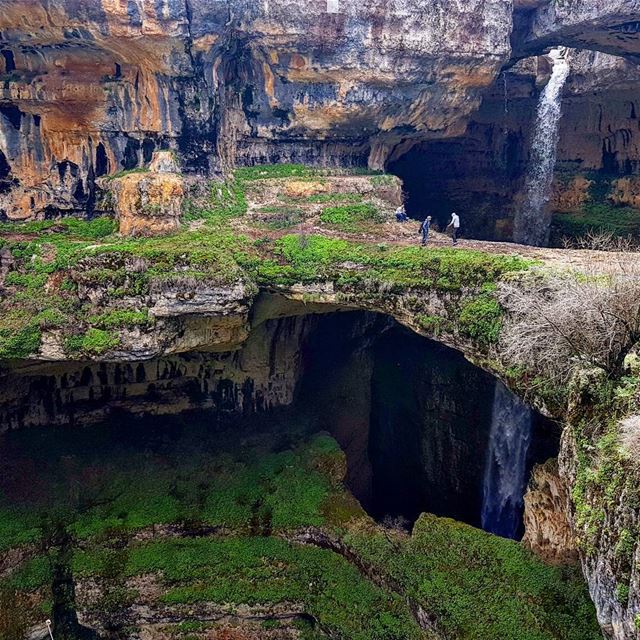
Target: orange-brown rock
column 547, row 529
column 149, row 202
column 570, row 196
column 300, row 188
column 92, row 88
column 626, row 192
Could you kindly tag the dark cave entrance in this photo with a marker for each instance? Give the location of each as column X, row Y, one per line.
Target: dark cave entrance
column 480, row 173
column 413, row 417
column 465, row 176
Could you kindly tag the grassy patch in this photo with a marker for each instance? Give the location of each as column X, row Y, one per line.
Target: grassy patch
column 482, row 587
column 313, row 258
column 598, row 214
column 621, row 221
column 251, row 490
column 95, row 342
column 349, row 217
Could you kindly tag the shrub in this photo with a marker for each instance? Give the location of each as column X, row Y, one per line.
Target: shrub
column 630, row 435
column 561, row 323
column 347, row 216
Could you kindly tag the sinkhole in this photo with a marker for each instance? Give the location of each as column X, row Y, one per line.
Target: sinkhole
column 423, row 430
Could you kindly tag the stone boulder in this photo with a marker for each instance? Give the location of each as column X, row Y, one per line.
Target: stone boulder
column 547, row 530
column 149, row 202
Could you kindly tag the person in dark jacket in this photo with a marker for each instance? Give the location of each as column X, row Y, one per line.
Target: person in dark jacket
column 401, row 214
column 424, row 229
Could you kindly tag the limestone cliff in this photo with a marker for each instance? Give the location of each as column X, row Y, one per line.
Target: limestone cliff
column 547, row 529
column 93, row 88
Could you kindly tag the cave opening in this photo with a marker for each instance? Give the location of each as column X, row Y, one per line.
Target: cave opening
column 102, row 161
column 413, row 417
column 5, row 167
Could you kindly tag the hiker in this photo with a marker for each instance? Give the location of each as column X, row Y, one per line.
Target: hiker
column 424, row 229
column 401, row 214
column 455, row 225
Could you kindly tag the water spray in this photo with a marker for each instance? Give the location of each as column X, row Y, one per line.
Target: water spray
column 533, row 220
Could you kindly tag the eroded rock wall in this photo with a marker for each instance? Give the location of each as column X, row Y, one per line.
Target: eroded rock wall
column 93, row 88
column 548, row 532
column 481, row 173
column 262, row 374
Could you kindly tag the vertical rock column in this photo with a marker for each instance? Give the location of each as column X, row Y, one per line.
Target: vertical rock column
column 149, row 202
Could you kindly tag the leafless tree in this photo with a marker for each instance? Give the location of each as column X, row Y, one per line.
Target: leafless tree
column 630, row 436
column 598, row 240
column 559, row 322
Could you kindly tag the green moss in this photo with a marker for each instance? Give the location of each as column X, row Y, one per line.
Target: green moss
column 313, row 258
column 265, row 571
column 348, row 217
column 94, row 342
column 481, row 320
column 279, row 491
column 482, row 587
column 21, row 344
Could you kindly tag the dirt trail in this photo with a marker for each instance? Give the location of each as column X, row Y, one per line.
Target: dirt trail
column 407, row 234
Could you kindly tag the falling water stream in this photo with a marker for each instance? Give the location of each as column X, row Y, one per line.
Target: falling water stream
column 532, row 221
column 506, row 466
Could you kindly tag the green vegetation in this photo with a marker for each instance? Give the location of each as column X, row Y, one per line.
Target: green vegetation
column 262, row 172
column 94, row 342
column 259, row 492
column 598, row 214
column 482, row 587
column 481, row 320
column 349, row 217
column 269, row 571
column 621, row 221
column 57, row 263
column 235, row 501
column 313, row 258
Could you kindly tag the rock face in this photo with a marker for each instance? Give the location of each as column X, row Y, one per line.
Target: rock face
column 610, row 26
column 548, row 532
column 95, row 88
column 89, row 91
column 261, row 375
column 480, row 174
column 149, row 203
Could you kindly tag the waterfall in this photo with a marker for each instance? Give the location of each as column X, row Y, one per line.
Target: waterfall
column 532, row 221
column 506, row 465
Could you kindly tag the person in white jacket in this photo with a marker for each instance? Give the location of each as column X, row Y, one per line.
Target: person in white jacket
column 455, row 225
